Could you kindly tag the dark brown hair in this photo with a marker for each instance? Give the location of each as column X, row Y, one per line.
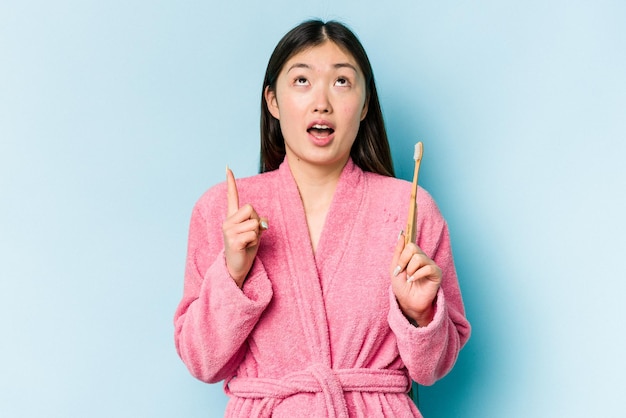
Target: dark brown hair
column 371, row 148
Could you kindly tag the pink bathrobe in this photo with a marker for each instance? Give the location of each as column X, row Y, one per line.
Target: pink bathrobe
column 316, row 334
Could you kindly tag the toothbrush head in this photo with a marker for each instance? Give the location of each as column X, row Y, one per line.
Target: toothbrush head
column 419, row 149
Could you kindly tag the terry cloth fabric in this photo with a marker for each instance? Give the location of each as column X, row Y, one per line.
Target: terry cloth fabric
column 319, row 378
column 316, row 334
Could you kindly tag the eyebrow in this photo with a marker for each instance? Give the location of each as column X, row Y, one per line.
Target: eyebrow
column 336, row 66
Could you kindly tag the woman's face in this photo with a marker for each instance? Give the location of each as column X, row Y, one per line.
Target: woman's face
column 320, row 99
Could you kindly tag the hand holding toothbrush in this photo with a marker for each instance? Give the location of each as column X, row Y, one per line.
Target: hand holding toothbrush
column 415, row 280
column 416, row 288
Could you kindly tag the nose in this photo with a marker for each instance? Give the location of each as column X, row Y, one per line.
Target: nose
column 321, row 102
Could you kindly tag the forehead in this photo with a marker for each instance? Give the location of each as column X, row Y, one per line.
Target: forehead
column 327, row 53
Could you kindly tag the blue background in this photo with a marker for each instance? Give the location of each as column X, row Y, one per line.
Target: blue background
column 115, row 116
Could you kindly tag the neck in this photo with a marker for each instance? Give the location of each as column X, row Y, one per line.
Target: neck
column 315, row 183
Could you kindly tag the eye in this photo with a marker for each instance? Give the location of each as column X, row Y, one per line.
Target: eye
column 342, row 82
column 300, row 81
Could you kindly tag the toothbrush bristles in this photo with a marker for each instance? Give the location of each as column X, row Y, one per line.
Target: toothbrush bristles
column 418, row 151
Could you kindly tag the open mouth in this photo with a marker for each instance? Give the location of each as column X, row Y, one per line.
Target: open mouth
column 320, row 131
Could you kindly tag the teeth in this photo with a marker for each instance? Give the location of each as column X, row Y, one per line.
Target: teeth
column 317, row 126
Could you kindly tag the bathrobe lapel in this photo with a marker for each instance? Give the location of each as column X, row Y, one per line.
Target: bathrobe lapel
column 307, row 268
column 306, row 287
column 339, row 225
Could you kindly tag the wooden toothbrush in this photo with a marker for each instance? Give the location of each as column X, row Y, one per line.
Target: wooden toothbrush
column 410, row 235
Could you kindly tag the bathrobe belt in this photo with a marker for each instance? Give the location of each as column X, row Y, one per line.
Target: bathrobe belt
column 318, row 378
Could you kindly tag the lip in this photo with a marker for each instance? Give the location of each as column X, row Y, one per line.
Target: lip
column 321, row 142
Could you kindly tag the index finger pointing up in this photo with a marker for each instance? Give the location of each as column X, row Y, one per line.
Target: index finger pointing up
column 231, row 192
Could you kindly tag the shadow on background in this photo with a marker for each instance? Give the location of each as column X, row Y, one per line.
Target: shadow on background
column 482, row 357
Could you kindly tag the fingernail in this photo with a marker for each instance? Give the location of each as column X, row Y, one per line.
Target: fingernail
column 410, row 279
column 397, row 271
column 401, row 234
column 264, row 225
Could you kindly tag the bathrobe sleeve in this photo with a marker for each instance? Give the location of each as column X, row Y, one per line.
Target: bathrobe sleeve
column 430, row 352
column 215, row 317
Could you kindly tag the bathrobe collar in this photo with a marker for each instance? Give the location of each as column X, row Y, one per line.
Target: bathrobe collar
column 313, row 273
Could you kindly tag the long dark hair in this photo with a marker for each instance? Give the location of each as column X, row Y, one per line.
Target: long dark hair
column 371, row 148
